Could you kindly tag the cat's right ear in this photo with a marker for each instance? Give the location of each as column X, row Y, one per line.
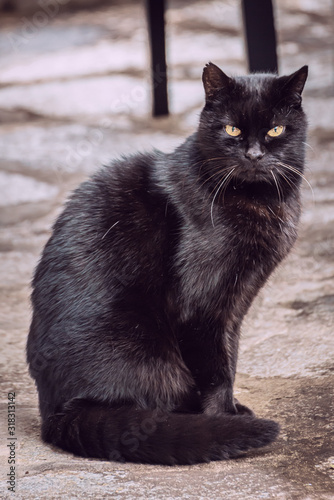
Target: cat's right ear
column 214, row 79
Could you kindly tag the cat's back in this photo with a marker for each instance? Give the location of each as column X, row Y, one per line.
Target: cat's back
column 122, row 192
column 113, row 231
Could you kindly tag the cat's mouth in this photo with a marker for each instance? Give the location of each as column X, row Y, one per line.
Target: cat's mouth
column 253, row 173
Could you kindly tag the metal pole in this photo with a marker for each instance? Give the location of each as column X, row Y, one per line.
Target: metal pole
column 155, row 10
column 260, row 35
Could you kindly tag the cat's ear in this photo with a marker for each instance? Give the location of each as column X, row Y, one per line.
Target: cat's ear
column 214, row 79
column 291, row 87
column 295, row 82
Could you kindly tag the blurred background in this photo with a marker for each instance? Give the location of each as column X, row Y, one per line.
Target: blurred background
column 75, row 83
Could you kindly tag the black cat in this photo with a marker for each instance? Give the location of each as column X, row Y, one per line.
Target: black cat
column 141, row 290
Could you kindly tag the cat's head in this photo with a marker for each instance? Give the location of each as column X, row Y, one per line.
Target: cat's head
column 253, row 126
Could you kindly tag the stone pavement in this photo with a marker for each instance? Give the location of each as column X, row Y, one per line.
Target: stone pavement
column 74, row 92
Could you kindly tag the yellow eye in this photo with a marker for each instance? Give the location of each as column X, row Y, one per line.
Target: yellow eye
column 276, row 131
column 233, row 131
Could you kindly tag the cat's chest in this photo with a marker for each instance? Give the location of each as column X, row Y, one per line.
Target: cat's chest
column 240, row 240
column 217, row 263
column 241, row 230
column 260, row 226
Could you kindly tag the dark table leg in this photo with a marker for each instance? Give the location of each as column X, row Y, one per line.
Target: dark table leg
column 260, row 35
column 155, row 10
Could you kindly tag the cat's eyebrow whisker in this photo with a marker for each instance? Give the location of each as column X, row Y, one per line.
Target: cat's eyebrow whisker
column 217, row 191
column 296, row 171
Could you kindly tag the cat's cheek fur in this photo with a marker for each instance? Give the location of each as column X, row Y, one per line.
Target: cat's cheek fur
column 140, row 293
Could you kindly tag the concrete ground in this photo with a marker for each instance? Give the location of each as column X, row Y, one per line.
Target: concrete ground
column 74, row 92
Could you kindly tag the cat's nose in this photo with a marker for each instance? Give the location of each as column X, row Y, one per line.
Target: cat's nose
column 254, row 152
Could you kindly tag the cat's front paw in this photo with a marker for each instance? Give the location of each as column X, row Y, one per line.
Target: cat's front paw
column 242, row 409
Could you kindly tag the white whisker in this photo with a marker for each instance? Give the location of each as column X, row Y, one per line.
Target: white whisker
column 279, row 218
column 296, row 171
column 306, row 144
column 105, row 234
column 277, row 187
column 225, row 179
column 286, row 179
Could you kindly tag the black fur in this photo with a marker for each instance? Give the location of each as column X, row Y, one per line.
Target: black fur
column 141, row 290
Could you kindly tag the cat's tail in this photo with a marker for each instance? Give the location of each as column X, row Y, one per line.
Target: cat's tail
column 91, row 429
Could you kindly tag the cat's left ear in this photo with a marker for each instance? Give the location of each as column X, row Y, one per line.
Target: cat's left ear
column 291, row 87
column 295, row 82
column 214, row 79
